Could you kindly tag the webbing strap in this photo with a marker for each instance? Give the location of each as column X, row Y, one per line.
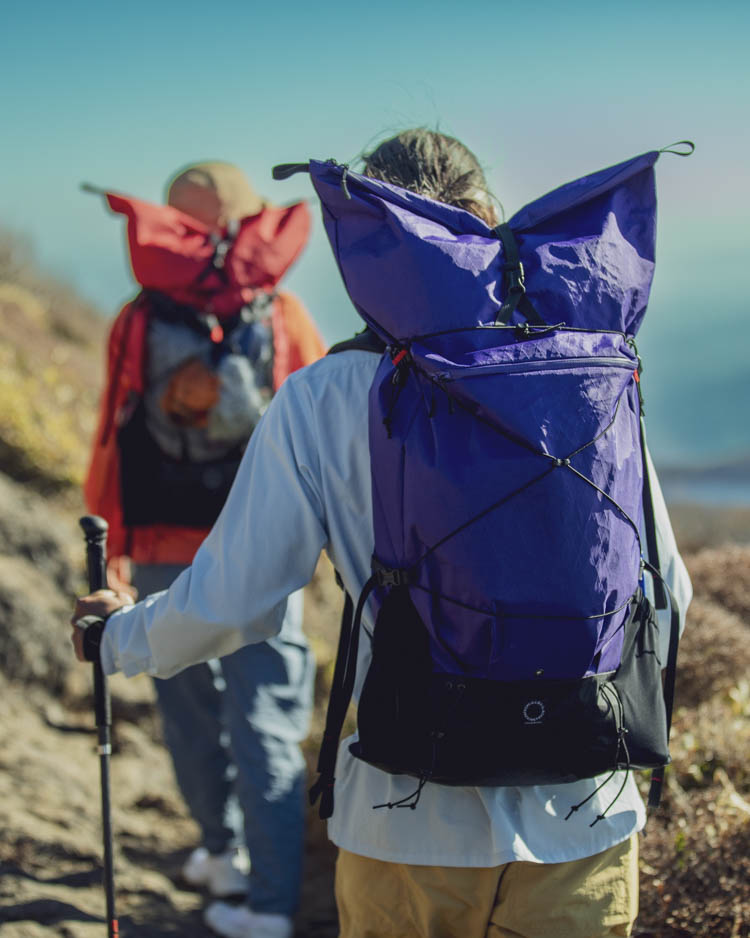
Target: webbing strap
column 222, row 247
column 649, row 522
column 338, row 702
column 364, row 341
column 670, row 675
column 513, row 281
column 689, row 148
column 285, row 170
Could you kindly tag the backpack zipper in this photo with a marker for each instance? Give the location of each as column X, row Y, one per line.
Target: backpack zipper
column 532, row 365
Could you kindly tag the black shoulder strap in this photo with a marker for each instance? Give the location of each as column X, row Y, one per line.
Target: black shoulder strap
column 342, row 688
column 661, row 592
column 365, row 341
column 670, row 674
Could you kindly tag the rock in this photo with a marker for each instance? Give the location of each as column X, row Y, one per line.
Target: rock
column 34, row 644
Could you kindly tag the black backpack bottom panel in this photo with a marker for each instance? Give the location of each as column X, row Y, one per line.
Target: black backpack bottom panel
column 157, row 489
column 459, row 730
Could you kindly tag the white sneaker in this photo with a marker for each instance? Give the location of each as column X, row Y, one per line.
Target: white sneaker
column 237, row 921
column 222, row 874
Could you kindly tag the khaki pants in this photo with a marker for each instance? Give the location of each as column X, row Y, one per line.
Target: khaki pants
column 596, row 897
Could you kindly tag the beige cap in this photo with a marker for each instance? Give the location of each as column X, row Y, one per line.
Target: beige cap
column 214, row 193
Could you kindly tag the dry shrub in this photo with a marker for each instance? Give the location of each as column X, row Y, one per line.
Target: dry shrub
column 697, row 527
column 695, row 864
column 68, row 315
column 696, row 853
column 714, row 652
column 723, row 575
column 49, row 387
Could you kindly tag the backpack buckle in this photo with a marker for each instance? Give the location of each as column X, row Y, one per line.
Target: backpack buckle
column 390, row 576
column 516, row 277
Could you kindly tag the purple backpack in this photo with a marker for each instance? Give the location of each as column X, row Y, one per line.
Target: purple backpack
column 513, row 642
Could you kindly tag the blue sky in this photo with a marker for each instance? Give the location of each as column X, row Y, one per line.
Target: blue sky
column 123, row 95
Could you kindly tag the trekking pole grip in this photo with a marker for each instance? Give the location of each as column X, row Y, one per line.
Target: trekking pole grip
column 95, row 532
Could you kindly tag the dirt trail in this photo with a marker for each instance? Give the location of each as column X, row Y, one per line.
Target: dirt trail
column 50, row 848
column 695, row 859
column 50, row 852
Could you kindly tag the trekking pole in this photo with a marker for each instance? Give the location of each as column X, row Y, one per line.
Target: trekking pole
column 95, row 532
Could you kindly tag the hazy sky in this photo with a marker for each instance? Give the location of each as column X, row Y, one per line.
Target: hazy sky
column 123, row 95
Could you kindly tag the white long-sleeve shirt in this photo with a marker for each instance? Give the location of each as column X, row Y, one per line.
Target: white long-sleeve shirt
column 304, row 486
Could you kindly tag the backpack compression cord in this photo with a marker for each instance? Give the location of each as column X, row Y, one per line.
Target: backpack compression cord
column 95, row 532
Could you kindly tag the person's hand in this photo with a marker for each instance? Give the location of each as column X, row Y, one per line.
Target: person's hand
column 100, row 604
column 120, row 576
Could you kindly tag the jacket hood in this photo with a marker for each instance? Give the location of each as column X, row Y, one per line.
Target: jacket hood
column 174, row 253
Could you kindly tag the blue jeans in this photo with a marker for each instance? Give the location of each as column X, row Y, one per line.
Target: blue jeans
column 233, row 728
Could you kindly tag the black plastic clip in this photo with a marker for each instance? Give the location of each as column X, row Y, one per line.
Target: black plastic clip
column 516, row 277
column 390, row 576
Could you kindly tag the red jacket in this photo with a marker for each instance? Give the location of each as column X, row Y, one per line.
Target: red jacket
column 169, row 252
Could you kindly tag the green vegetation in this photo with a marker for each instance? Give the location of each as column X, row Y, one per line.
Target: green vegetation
column 51, row 349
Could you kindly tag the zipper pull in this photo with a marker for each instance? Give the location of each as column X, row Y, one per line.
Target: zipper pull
column 397, row 359
column 637, row 374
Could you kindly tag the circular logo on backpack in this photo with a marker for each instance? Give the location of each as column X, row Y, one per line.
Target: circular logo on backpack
column 533, row 711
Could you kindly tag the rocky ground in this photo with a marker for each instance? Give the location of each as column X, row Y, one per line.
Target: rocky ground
column 695, row 855
column 50, row 851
